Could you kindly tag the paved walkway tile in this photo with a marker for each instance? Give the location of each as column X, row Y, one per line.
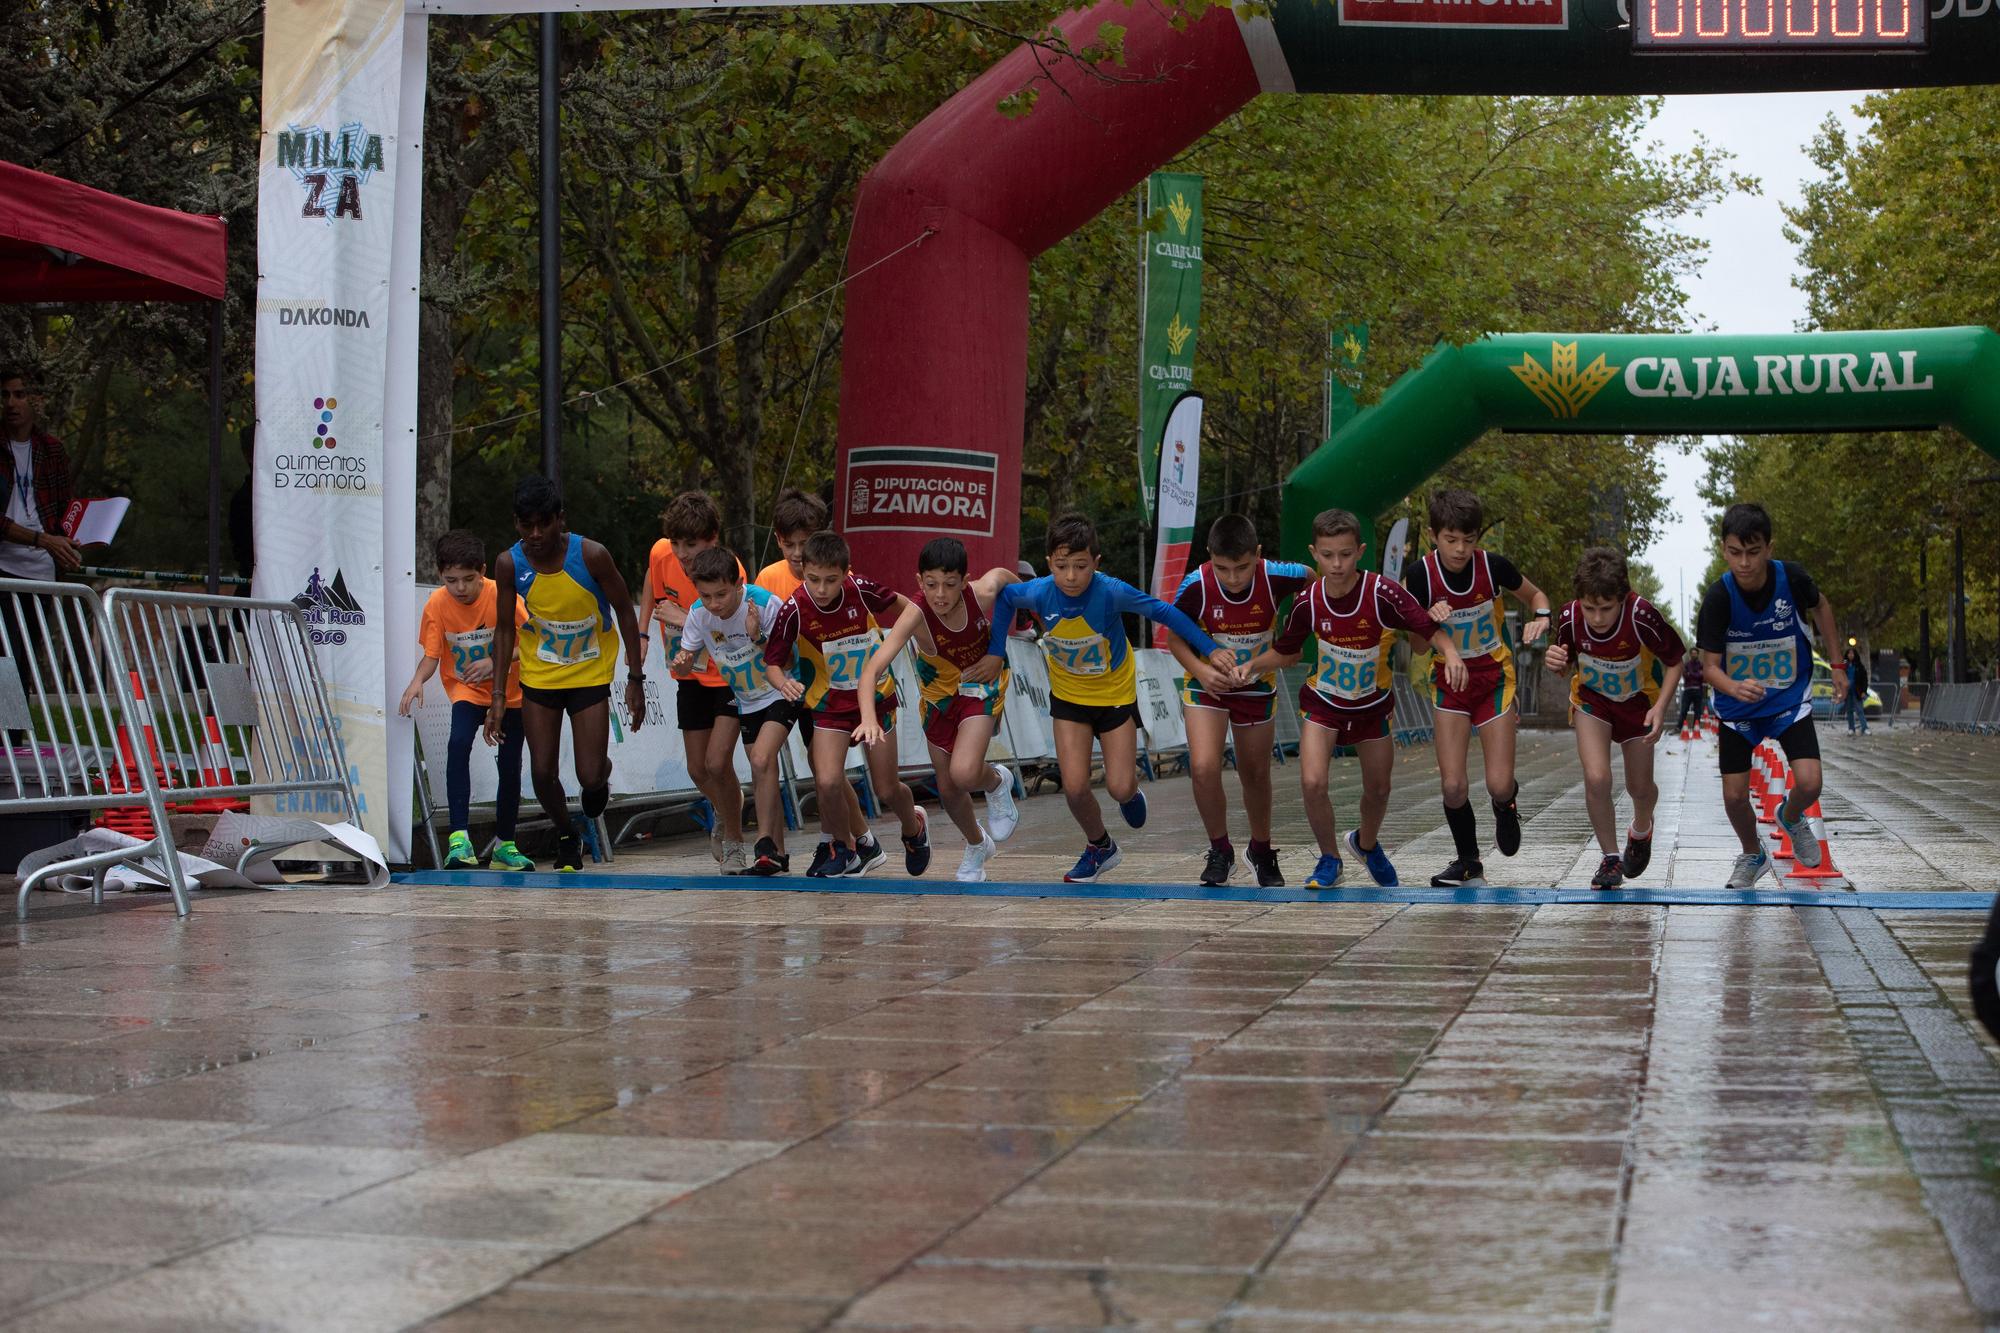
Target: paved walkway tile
column 489, row 1110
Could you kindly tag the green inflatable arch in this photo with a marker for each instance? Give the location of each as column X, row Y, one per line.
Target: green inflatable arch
column 1645, row 384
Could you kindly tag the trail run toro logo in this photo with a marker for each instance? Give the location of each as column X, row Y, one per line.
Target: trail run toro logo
column 1562, row 389
column 1178, row 209
column 1177, row 334
column 332, row 165
column 1351, row 345
column 330, row 609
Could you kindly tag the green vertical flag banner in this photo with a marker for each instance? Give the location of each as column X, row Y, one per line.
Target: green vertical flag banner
column 1347, row 347
column 1169, row 312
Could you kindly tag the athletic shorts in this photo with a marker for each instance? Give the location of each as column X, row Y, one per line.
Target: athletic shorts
column 1349, row 726
column 780, row 713
column 1626, row 716
column 943, row 718
column 571, row 699
column 700, row 706
column 1488, row 692
column 846, row 715
column 1793, row 730
column 1244, row 709
column 1100, row 718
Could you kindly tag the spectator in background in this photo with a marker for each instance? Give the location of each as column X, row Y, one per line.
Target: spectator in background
column 37, row 487
column 1857, row 691
column 1692, row 692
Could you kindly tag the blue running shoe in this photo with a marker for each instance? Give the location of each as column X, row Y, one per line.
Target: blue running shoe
column 1095, row 861
column 1380, row 868
column 1325, row 875
column 1134, row 810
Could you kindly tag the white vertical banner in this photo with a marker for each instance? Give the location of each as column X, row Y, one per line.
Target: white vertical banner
column 1180, row 489
column 334, row 157
column 1392, row 551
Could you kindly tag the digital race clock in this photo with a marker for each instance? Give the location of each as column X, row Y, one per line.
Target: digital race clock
column 1772, row 25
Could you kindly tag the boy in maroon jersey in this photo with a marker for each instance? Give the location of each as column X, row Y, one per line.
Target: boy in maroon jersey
column 1465, row 588
column 950, row 627
column 827, row 624
column 1628, row 661
column 1235, row 597
column 1353, row 615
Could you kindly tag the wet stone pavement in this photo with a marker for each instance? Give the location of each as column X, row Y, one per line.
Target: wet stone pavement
column 482, row 1109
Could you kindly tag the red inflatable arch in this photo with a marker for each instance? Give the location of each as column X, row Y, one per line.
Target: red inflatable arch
column 935, row 351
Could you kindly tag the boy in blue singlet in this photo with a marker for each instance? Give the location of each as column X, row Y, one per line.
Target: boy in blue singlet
column 1093, row 688
column 1757, row 656
column 573, row 594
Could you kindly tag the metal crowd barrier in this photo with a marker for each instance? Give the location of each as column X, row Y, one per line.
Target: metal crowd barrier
column 1972, row 707
column 65, row 708
column 141, row 698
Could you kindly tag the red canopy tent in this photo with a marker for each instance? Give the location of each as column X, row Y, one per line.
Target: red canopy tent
column 63, row 242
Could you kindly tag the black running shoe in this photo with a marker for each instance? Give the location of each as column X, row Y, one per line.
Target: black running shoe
column 569, row 853
column 1216, row 870
column 1985, row 974
column 1638, row 854
column 1265, row 863
column 1610, row 874
column 818, row 866
column 867, row 855
column 917, row 848
column 769, row 860
column 1507, row 825
column 1460, row 874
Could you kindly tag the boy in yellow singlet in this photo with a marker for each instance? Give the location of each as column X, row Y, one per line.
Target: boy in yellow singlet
column 572, row 591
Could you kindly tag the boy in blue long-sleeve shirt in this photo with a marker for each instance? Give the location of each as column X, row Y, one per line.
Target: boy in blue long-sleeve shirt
column 1092, row 685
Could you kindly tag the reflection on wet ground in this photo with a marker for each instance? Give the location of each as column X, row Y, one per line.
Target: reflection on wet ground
column 485, row 1110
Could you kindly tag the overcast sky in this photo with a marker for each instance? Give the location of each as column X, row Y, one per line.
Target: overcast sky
column 1746, row 284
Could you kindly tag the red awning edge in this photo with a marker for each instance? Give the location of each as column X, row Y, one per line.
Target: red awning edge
column 113, row 249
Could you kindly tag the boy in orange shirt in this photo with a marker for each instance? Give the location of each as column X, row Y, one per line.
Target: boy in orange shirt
column 456, row 635
column 703, row 700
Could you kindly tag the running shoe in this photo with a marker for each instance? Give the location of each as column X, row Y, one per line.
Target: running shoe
column 1380, row 868
column 1749, row 868
column 1805, row 842
column 590, row 847
column 459, row 853
column 972, row 869
column 817, row 869
column 1460, row 875
column 1638, row 854
column 867, row 855
column 1507, row 825
column 840, row 862
column 508, row 857
column 917, row 846
column 1265, row 863
column 771, row 861
column 1217, row 868
column 1610, row 874
column 1095, row 861
column 735, row 860
column 1002, row 815
column 1134, row 810
column 1325, row 875
column 569, row 853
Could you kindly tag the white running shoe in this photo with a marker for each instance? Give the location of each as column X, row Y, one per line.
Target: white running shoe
column 972, row 870
column 1002, row 815
column 1805, row 838
column 1749, row 868
column 735, row 858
